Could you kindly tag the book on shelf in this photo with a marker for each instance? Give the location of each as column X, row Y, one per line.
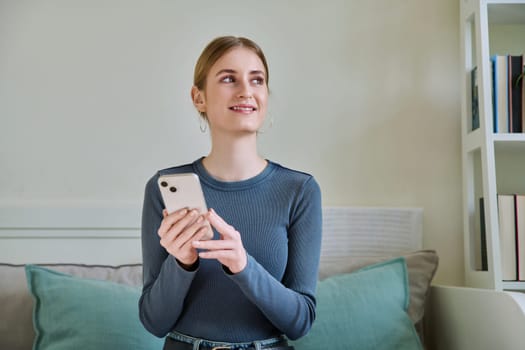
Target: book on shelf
column 474, row 98
column 500, row 88
column 515, row 69
column 508, row 94
column 481, row 244
column 523, row 100
column 507, row 237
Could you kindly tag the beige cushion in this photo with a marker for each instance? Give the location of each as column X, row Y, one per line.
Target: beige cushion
column 16, row 304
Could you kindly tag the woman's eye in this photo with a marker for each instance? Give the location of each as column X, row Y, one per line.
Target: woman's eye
column 227, row 79
column 258, row 81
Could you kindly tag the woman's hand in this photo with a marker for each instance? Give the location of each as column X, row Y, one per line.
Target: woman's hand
column 228, row 250
column 177, row 230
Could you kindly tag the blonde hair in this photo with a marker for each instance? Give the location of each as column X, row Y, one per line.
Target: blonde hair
column 215, row 50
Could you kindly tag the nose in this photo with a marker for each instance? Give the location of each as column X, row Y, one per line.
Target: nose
column 245, row 89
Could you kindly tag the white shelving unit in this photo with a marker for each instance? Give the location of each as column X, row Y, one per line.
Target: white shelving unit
column 493, row 163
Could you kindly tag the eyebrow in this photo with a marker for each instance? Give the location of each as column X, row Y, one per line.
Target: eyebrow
column 232, row 71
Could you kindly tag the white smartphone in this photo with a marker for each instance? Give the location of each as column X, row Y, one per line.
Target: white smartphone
column 183, row 191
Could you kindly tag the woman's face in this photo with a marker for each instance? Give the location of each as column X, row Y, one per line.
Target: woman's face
column 236, row 95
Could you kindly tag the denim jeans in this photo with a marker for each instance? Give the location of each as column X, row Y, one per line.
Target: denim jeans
column 178, row 341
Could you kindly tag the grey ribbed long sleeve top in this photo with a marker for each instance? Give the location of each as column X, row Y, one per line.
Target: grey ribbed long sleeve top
column 278, row 214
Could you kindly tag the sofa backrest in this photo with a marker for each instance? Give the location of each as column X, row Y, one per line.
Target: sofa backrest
column 352, row 238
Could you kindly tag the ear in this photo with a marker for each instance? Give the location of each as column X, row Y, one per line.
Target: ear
column 197, row 96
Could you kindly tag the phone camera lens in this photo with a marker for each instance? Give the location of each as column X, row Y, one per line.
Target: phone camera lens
column 164, row 184
column 173, row 189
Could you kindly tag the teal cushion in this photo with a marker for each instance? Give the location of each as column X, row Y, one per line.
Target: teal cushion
column 76, row 313
column 366, row 309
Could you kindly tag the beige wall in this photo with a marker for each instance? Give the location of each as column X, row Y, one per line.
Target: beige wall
column 94, row 97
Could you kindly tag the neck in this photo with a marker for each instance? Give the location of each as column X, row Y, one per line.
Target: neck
column 234, row 159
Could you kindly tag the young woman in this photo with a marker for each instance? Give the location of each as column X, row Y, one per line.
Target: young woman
column 253, row 284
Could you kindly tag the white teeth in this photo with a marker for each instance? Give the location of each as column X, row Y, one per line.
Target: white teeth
column 237, row 108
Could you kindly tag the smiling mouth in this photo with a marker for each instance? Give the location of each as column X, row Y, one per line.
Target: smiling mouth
column 243, row 108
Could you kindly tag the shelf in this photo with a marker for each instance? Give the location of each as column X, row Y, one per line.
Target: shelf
column 506, row 12
column 493, row 163
column 513, row 285
column 502, row 142
column 516, row 137
column 512, row 143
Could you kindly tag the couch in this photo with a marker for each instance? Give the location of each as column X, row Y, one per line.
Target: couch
column 371, row 294
column 66, row 297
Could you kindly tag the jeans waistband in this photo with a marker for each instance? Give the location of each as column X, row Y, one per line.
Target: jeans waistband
column 198, row 342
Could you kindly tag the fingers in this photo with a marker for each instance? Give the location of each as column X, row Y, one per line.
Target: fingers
column 216, row 244
column 233, row 256
column 178, row 229
column 170, row 219
column 224, row 256
column 203, row 233
column 226, row 230
column 189, row 231
column 174, row 225
column 229, row 250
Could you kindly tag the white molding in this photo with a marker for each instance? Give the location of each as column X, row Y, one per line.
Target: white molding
column 69, row 215
column 69, row 233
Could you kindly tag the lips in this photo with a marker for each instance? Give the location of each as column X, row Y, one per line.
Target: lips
column 245, row 108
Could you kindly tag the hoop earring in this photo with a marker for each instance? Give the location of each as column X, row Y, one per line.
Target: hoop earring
column 203, row 125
